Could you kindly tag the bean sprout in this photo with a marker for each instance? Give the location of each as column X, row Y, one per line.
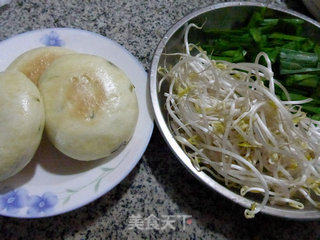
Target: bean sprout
column 234, row 127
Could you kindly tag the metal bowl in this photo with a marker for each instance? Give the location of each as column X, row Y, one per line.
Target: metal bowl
column 223, row 15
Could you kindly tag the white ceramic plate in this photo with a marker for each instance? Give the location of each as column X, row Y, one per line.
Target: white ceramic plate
column 53, row 183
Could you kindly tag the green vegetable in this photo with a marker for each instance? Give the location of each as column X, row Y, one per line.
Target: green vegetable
column 224, row 32
column 294, row 97
column 311, row 109
column 272, row 53
column 303, row 80
column 286, row 37
column 269, row 22
column 292, row 45
column 294, row 21
column 232, row 55
column 302, row 70
column 316, row 117
column 295, row 56
column 256, row 18
column 307, row 46
column 304, row 59
column 256, row 34
column 317, row 51
column 229, row 59
column 309, row 82
column 289, row 65
column 294, row 79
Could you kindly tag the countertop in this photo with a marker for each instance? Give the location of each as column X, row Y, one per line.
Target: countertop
column 159, row 185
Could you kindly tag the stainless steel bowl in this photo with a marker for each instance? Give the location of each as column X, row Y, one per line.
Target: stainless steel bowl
column 219, row 15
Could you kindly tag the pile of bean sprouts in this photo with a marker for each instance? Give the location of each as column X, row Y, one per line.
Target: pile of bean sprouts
column 231, row 124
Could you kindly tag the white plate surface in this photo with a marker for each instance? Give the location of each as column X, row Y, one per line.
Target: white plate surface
column 52, row 183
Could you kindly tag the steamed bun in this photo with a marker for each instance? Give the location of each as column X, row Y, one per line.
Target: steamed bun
column 90, row 104
column 22, row 122
column 34, row 62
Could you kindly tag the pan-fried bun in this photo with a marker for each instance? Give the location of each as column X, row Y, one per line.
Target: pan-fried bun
column 22, row 122
column 90, row 104
column 34, row 62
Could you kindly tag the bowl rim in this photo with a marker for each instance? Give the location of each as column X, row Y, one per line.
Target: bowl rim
column 175, row 147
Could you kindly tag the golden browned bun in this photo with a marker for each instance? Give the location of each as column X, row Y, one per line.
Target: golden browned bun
column 90, row 104
column 34, row 62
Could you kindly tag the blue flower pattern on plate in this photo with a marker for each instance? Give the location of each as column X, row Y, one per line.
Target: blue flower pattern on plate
column 42, row 204
column 52, row 39
column 13, row 201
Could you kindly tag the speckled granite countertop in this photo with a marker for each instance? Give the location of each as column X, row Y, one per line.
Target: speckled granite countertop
column 159, row 184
